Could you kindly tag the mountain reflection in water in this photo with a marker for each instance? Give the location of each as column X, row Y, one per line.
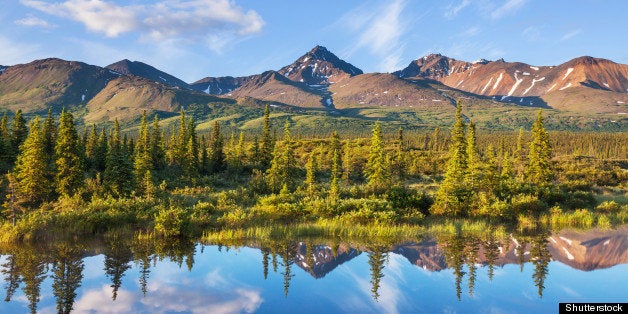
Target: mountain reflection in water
column 122, row 274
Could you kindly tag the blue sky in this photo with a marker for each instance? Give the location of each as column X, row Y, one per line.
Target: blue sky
column 192, row 39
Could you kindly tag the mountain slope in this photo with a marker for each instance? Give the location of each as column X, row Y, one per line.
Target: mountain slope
column 36, row 86
column 272, row 86
column 601, row 82
column 127, row 97
column 137, row 68
column 219, row 85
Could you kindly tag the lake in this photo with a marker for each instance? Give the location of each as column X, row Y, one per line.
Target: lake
column 525, row 272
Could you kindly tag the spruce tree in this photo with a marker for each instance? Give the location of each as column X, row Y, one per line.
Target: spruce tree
column 376, row 167
column 157, row 153
column 311, row 181
column 539, row 167
column 91, row 148
column 102, row 151
column 31, row 175
column 118, row 176
column 334, row 189
column 474, row 164
column 19, row 132
column 142, row 160
column 452, row 194
column 217, row 155
column 50, row 134
column 519, row 156
column 398, row 165
column 69, row 162
column 6, row 152
column 267, row 145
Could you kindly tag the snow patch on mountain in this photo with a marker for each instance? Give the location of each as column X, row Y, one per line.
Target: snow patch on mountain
column 514, row 86
column 551, row 88
column 499, row 79
column 532, row 85
column 566, row 86
column 567, row 73
column 486, row 86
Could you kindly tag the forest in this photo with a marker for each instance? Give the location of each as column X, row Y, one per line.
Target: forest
column 62, row 181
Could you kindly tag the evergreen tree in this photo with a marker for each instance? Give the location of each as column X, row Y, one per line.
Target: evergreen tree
column 347, row 162
column 157, row 153
column 191, row 151
column 143, row 161
column 282, row 166
column 102, row 151
column 33, row 183
column 539, row 167
column 399, row 166
column 334, row 189
column 452, row 194
column 267, row 145
column 519, row 156
column 50, row 134
column 204, row 163
column 118, row 174
column 6, row 152
column 91, row 148
column 69, row 162
column 336, row 166
column 19, row 132
column 310, row 174
column 217, row 156
column 376, row 168
column 474, row 164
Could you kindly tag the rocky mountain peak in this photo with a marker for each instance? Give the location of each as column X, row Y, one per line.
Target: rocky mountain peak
column 319, row 66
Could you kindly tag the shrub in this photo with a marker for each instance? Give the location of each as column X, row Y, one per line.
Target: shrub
column 172, row 222
column 525, row 203
column 608, row 207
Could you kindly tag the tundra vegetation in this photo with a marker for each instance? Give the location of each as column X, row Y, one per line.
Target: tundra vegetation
column 63, row 181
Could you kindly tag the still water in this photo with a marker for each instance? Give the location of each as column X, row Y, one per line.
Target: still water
column 509, row 273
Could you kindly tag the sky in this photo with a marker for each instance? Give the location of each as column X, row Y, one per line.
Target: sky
column 192, row 39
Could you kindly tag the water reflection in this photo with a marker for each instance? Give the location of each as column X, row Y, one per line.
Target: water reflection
column 58, row 268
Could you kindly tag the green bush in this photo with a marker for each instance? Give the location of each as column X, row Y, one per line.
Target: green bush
column 608, row 207
column 172, row 222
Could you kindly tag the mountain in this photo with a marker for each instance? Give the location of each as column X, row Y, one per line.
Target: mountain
column 319, row 67
column 126, row 97
column 322, row 259
column 600, row 83
column 144, row 70
column 272, row 86
column 387, row 90
column 581, row 250
column 219, row 85
column 51, row 83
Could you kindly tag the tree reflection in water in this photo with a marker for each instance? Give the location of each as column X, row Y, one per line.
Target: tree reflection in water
column 466, row 254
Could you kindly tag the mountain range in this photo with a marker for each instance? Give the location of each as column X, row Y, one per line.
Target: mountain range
column 584, row 88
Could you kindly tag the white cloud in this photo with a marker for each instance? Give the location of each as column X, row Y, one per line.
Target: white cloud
column 452, row 10
column 379, row 30
column 511, row 6
column 570, row 35
column 166, row 20
column 531, row 33
column 33, row 21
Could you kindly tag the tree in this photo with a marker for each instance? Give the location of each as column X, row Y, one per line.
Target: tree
column 33, row 183
column 91, row 147
column 539, row 167
column 19, row 132
column 452, row 194
column 398, row 164
column 143, row 161
column 157, row 153
column 217, row 155
column 267, row 145
column 310, row 174
column 335, row 175
column 519, row 156
column 69, row 162
column 281, row 171
column 474, row 164
column 118, row 175
column 6, row 152
column 376, row 167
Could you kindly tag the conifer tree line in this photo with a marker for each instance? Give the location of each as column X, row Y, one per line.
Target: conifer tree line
column 45, row 159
